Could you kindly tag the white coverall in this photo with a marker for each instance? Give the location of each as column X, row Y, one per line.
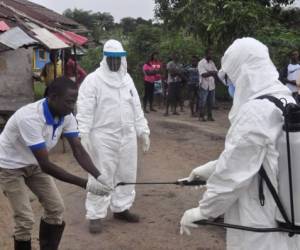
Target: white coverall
column 110, row 115
column 255, row 127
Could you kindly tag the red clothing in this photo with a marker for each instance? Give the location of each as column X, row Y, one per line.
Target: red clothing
column 152, row 65
column 70, row 72
column 156, row 65
column 148, row 78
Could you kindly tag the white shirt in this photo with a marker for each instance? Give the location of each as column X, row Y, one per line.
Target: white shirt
column 293, row 74
column 32, row 127
column 207, row 83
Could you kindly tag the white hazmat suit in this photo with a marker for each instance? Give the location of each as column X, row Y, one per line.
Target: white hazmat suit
column 110, row 118
column 232, row 186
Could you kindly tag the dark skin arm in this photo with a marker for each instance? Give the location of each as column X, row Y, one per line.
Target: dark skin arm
column 209, row 73
column 151, row 72
column 82, row 156
column 293, row 82
column 173, row 71
column 57, row 172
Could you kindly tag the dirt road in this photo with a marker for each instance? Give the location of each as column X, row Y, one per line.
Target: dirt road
column 177, row 145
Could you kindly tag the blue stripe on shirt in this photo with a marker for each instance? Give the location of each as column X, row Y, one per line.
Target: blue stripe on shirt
column 38, row 146
column 71, row 134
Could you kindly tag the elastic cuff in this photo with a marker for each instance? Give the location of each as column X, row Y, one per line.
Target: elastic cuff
column 38, row 146
column 71, row 134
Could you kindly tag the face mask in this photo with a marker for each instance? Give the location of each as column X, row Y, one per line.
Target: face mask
column 113, row 63
column 231, row 90
column 230, row 86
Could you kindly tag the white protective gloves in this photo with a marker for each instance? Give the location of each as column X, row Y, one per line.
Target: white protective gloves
column 202, row 172
column 189, row 216
column 146, row 142
column 97, row 187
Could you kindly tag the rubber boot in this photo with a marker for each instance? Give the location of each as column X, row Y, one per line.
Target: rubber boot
column 95, row 226
column 50, row 235
column 22, row 245
column 127, row 216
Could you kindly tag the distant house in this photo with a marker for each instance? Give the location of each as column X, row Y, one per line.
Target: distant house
column 27, row 32
column 40, row 58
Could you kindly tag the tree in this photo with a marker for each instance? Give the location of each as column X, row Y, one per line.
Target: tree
column 216, row 22
column 100, row 24
column 90, row 61
column 81, row 16
column 104, row 21
column 128, row 24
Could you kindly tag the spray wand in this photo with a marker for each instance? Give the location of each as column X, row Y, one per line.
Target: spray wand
column 179, row 183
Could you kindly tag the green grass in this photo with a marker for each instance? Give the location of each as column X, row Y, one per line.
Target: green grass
column 39, row 89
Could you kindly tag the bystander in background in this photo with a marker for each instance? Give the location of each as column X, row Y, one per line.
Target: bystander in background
column 207, row 74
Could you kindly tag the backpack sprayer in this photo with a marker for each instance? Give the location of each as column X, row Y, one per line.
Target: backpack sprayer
column 287, row 198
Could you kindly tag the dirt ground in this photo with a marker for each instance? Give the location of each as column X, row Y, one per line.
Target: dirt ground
column 178, row 144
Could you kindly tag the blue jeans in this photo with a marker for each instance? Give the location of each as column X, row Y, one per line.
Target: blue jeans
column 206, row 101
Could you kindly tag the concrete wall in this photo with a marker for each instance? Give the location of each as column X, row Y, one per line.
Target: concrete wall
column 16, row 84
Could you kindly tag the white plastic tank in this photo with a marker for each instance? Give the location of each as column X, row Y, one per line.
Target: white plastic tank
column 283, row 176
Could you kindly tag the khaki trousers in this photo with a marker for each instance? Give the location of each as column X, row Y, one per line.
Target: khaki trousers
column 14, row 183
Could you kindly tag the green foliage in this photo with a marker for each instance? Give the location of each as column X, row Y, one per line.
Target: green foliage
column 90, row 61
column 98, row 23
column 216, row 22
column 187, row 27
column 144, row 41
column 280, row 42
column 39, row 90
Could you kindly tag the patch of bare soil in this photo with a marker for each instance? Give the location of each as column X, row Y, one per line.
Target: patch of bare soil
column 178, row 144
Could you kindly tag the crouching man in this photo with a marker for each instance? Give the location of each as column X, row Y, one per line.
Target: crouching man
column 24, row 145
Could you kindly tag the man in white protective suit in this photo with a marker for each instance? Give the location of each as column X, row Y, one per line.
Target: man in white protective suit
column 232, row 179
column 110, row 118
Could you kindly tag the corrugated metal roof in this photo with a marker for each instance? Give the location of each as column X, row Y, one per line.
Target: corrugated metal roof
column 71, row 38
column 49, row 39
column 16, row 38
column 40, row 13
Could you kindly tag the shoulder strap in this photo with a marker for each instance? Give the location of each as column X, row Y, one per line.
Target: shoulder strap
column 276, row 198
column 262, row 173
column 273, row 99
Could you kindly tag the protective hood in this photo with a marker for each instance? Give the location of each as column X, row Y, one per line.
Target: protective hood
column 113, row 48
column 248, row 64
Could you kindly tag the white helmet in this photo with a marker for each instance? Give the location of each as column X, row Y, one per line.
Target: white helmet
column 113, row 48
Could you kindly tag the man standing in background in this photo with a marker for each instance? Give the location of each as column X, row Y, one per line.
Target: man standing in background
column 175, row 76
column 291, row 72
column 51, row 70
column 207, row 74
column 193, row 84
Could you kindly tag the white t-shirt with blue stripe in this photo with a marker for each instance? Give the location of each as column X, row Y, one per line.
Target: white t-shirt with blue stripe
column 32, row 127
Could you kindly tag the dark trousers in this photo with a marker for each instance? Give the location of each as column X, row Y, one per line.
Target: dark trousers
column 148, row 95
column 173, row 98
column 193, row 96
column 206, row 100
